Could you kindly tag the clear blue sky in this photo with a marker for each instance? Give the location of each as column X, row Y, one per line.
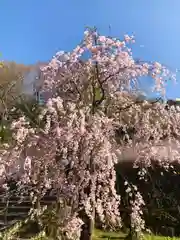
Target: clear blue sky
column 33, row 30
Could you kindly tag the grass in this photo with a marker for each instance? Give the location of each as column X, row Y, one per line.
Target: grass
column 98, row 235
column 153, row 237
column 103, row 235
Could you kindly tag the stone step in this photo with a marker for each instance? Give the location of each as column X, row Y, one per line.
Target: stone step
column 14, row 198
column 3, row 225
column 11, row 218
column 13, row 214
column 25, row 202
column 17, row 209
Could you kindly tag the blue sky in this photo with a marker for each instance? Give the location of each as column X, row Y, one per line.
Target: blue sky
column 33, row 30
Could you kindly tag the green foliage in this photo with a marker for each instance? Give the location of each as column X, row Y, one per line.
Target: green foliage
column 98, row 93
column 28, row 108
column 5, row 132
column 12, row 232
column 40, row 236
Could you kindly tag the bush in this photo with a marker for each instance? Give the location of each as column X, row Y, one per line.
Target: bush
column 160, row 193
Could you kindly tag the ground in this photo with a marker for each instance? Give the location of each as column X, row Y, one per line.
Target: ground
column 98, row 235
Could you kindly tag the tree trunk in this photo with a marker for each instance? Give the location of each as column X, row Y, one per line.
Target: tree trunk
column 87, row 230
column 88, row 227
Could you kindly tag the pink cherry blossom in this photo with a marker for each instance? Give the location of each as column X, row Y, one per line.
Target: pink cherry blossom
column 77, row 149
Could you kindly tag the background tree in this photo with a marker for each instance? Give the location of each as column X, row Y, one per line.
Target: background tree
column 11, row 77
